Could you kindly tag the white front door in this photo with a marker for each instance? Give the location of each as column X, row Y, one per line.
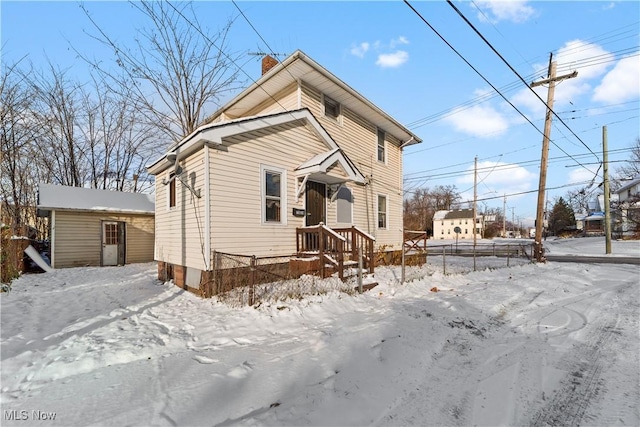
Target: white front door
column 109, row 243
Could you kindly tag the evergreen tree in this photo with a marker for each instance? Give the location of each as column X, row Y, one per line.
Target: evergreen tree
column 562, row 217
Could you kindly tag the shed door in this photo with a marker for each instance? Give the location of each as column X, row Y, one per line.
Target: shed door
column 315, row 203
column 113, row 243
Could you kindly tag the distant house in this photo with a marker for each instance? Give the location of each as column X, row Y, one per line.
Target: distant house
column 628, row 208
column 593, row 221
column 89, row 227
column 297, row 154
column 445, row 224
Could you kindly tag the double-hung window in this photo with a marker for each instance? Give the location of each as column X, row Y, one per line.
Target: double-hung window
column 274, row 199
column 382, row 154
column 382, row 211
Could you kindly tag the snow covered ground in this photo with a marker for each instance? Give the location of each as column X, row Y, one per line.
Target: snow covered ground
column 546, row 344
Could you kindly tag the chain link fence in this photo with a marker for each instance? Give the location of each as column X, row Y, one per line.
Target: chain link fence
column 459, row 258
column 240, row 280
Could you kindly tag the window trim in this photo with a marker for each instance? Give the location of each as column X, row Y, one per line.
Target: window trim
column 172, row 189
column 381, row 132
column 263, row 194
column 386, row 213
column 350, row 205
column 338, row 117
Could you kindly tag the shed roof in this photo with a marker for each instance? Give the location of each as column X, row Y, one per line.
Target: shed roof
column 62, row 197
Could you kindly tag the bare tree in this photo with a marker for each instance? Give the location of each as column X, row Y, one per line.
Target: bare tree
column 420, row 208
column 176, row 69
column 579, row 199
column 118, row 142
column 56, row 109
column 629, row 170
column 19, row 172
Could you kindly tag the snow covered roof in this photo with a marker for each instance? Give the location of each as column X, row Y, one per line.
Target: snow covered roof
column 58, row 197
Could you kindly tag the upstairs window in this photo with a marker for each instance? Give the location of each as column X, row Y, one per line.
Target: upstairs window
column 331, row 108
column 382, row 155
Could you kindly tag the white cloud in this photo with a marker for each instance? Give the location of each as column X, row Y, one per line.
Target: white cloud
column 360, row 50
column 399, row 41
column 478, row 121
column 620, row 84
column 575, row 55
column 517, row 11
column 392, row 60
column 385, row 58
column 583, row 174
column 496, row 179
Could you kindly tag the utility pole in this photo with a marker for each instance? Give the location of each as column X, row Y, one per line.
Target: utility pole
column 552, row 79
column 475, row 198
column 605, row 173
column 504, row 217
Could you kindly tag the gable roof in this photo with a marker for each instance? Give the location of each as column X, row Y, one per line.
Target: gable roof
column 635, row 181
column 454, row 214
column 213, row 133
column 320, row 163
column 300, row 67
column 62, row 197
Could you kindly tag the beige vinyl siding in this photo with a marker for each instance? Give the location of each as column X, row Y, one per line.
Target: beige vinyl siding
column 287, row 101
column 180, row 230
column 78, row 237
column 237, row 225
column 358, row 138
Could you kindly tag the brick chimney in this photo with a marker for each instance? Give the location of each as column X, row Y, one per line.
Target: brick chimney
column 268, row 63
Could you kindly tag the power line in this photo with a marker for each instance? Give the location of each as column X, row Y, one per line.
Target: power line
column 505, row 166
column 518, row 74
column 227, row 56
column 470, row 65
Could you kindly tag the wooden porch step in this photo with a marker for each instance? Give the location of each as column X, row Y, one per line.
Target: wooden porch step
column 366, row 286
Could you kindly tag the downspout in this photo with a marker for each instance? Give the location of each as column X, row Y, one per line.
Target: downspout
column 207, row 209
column 52, row 245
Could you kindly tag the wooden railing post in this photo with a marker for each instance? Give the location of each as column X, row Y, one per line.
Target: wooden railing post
column 321, row 249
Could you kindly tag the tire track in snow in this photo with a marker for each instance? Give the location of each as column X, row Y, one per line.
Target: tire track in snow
column 581, row 384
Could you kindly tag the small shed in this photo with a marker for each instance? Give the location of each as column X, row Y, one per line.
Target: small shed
column 89, row 227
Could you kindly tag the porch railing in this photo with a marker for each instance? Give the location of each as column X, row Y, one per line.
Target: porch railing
column 356, row 239
column 324, row 242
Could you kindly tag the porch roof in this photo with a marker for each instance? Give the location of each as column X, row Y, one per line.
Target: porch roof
column 320, row 163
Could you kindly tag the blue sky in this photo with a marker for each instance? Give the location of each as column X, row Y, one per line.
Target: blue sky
column 387, row 53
